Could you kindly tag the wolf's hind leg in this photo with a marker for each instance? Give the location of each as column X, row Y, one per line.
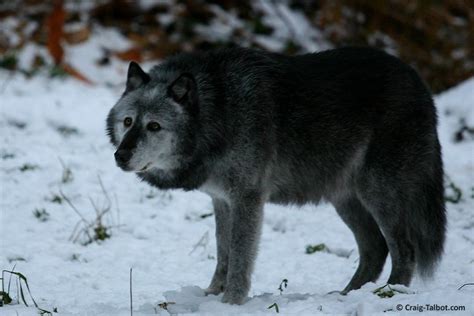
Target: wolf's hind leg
column 402, row 251
column 389, row 216
column 223, row 235
column 370, row 241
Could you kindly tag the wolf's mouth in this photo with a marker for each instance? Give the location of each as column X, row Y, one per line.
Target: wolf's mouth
column 146, row 167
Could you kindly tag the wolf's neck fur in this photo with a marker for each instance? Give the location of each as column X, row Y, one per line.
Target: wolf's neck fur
column 188, row 177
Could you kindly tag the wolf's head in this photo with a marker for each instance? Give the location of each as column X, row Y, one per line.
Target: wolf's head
column 152, row 123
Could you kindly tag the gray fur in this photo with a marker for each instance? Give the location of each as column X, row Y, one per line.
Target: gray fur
column 353, row 126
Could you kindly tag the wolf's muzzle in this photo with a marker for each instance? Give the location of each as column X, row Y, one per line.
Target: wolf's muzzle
column 122, row 157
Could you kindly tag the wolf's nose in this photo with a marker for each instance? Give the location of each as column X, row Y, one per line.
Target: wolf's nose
column 123, row 156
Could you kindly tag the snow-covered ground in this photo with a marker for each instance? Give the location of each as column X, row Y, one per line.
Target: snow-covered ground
column 50, row 126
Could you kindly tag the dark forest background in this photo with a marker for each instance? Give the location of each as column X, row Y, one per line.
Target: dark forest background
column 436, row 37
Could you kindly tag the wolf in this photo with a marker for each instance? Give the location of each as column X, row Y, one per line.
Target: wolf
column 352, row 126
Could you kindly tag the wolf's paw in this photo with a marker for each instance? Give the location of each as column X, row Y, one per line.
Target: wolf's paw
column 214, row 290
column 218, row 284
column 234, row 297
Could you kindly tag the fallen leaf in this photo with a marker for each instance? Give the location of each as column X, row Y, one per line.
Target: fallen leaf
column 133, row 53
column 77, row 36
column 76, row 74
column 55, row 23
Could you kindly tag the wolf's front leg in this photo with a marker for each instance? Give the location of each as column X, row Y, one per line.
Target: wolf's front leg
column 223, row 234
column 247, row 214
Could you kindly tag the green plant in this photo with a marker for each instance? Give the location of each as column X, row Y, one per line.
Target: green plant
column 274, row 305
column 283, row 285
column 9, row 61
column 41, row 214
column 315, row 248
column 55, row 199
column 66, row 130
column 28, row 167
column 67, row 175
column 57, row 72
column 21, row 281
column 89, row 231
column 163, row 305
column 453, row 193
column 386, row 291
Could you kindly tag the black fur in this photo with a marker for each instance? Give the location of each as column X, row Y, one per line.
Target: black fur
column 136, row 77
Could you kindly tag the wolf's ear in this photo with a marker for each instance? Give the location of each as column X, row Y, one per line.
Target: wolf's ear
column 136, row 77
column 184, row 90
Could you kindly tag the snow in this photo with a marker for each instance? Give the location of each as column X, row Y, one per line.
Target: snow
column 162, row 236
column 289, row 25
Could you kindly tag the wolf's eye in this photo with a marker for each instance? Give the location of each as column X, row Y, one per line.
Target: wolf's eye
column 153, row 126
column 127, row 122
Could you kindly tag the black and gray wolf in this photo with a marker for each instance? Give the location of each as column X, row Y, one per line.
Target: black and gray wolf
column 353, row 126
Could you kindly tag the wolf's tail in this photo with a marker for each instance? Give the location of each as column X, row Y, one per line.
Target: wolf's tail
column 428, row 225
